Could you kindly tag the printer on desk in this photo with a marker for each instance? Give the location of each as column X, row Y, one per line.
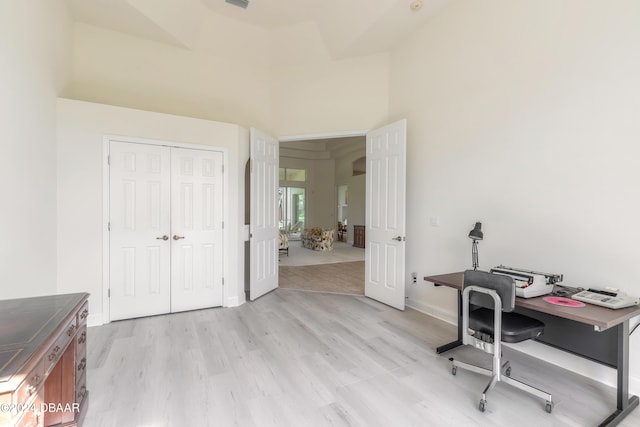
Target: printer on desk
column 529, row 284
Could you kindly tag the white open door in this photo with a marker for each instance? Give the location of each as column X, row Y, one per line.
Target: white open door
column 196, row 229
column 264, row 240
column 140, row 249
column 385, row 214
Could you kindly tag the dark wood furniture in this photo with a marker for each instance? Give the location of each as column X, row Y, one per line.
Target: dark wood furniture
column 358, row 236
column 593, row 332
column 342, row 232
column 43, row 359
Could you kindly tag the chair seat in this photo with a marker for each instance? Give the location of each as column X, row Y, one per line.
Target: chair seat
column 515, row 327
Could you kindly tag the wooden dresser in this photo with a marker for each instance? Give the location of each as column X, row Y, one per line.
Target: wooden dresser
column 43, row 359
column 358, row 236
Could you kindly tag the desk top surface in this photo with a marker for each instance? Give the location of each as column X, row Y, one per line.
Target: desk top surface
column 27, row 324
column 601, row 317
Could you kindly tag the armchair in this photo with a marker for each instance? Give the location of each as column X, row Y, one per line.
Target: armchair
column 318, row 239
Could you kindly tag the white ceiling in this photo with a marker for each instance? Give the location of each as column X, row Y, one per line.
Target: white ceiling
column 347, row 27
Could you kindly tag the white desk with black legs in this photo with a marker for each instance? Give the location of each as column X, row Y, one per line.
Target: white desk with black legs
column 596, row 333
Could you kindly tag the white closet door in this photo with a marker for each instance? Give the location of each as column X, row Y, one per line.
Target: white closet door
column 139, row 192
column 196, row 229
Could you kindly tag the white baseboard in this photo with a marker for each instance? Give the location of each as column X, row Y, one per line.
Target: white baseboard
column 234, row 302
column 433, row 311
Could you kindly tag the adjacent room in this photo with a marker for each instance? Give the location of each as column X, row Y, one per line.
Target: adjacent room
column 317, row 247
column 191, row 189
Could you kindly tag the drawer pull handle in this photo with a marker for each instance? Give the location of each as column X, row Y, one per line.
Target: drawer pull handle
column 54, row 353
column 35, row 383
column 84, row 313
column 71, row 330
column 82, row 364
column 82, row 338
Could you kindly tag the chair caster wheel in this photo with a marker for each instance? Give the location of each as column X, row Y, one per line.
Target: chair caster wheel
column 454, row 370
column 481, row 405
column 508, row 372
column 548, row 407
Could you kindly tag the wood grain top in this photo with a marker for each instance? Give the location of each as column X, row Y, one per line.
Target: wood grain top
column 600, row 317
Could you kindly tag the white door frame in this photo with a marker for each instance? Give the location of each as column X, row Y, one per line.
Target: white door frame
column 106, row 140
column 325, row 135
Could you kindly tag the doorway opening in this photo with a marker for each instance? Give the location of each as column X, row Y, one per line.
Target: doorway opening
column 327, row 205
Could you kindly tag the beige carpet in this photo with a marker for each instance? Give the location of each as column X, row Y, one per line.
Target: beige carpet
column 343, row 277
column 342, row 252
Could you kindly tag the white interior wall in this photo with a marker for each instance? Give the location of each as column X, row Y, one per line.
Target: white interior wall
column 117, row 69
column 324, row 95
column 356, row 190
column 320, row 194
column 81, row 129
column 525, row 117
column 35, row 51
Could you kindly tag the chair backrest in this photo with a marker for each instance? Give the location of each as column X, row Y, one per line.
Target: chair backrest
column 505, row 287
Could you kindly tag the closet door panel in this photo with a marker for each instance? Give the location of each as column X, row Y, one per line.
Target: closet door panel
column 139, row 202
column 197, row 229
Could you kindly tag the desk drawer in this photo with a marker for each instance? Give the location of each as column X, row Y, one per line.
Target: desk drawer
column 83, row 313
column 30, row 385
column 59, row 346
column 81, row 368
column 32, row 417
column 81, row 390
column 81, row 355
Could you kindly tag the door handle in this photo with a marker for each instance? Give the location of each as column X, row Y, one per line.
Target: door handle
column 176, row 237
column 165, row 237
column 398, row 238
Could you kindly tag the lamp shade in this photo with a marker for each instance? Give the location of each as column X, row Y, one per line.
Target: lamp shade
column 476, row 233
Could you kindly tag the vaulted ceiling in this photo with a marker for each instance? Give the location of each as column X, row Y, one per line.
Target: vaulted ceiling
column 346, row 28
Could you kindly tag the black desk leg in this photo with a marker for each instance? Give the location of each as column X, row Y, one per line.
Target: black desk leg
column 458, row 342
column 625, row 403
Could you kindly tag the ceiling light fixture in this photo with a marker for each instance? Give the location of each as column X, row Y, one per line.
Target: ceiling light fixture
column 240, row 3
column 416, row 5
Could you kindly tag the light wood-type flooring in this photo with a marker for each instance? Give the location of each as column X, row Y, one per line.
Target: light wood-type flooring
column 341, row 277
column 294, row 358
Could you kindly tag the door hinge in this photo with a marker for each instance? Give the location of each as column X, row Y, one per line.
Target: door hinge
column 109, row 226
column 223, row 281
column 222, row 168
column 109, row 159
column 109, row 293
column 223, row 225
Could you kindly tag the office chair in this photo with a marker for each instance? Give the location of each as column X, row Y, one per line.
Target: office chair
column 488, row 301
